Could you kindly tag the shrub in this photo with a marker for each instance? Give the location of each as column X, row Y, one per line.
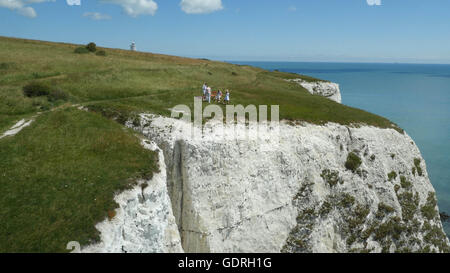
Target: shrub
column 385, row 208
column 44, row 107
column 392, row 175
column 404, row 182
column 391, row 228
column 5, row 66
column 347, row 200
column 136, row 121
column 101, row 53
column 325, row 209
column 353, row 162
column 417, row 162
column 81, row 50
column 111, row 214
column 429, row 209
column 57, row 94
column 36, row 89
column 331, row 177
column 144, row 186
column 409, row 203
column 92, row 47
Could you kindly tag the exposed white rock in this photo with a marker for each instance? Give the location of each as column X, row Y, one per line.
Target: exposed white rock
column 17, row 128
column 321, row 88
column 249, row 195
column 144, row 221
column 289, row 191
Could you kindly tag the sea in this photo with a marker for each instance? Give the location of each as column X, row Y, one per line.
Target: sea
column 414, row 96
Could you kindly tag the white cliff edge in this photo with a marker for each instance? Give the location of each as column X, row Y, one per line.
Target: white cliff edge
column 329, row 90
column 289, row 192
column 144, row 221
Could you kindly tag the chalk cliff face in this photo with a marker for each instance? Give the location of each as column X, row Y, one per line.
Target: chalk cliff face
column 301, row 188
column 144, row 221
column 321, row 88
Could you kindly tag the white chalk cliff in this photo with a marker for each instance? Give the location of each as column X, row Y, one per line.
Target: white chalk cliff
column 301, row 188
column 144, row 221
column 329, row 90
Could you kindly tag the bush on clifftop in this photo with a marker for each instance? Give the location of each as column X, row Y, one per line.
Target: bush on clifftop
column 36, row 89
column 92, row 47
column 81, row 50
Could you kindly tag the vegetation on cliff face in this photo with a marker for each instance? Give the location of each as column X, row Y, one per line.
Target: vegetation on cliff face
column 412, row 229
column 353, row 162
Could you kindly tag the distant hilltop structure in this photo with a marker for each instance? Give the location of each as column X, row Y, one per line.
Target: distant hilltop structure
column 133, row 46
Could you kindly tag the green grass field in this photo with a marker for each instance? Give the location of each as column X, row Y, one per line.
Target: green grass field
column 58, row 176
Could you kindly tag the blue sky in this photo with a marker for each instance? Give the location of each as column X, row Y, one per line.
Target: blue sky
column 281, row 30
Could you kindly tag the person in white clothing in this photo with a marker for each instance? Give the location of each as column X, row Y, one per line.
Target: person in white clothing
column 218, row 96
column 209, row 95
column 204, row 88
column 227, row 97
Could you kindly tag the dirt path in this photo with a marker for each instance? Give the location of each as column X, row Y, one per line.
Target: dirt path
column 15, row 129
column 119, row 99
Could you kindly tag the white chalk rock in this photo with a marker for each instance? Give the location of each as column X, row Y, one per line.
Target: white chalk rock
column 329, row 90
column 144, row 221
column 284, row 189
column 19, row 126
column 289, row 190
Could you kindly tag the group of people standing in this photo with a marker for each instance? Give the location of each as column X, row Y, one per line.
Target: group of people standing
column 208, row 94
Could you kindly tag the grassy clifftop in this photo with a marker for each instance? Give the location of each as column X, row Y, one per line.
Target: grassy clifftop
column 58, row 176
column 132, row 81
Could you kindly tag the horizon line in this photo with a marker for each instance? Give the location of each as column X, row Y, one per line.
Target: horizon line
column 336, row 62
column 228, row 60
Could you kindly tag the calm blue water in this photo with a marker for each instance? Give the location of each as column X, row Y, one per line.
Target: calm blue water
column 415, row 96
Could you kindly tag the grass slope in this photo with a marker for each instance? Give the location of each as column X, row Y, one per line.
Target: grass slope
column 58, row 176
